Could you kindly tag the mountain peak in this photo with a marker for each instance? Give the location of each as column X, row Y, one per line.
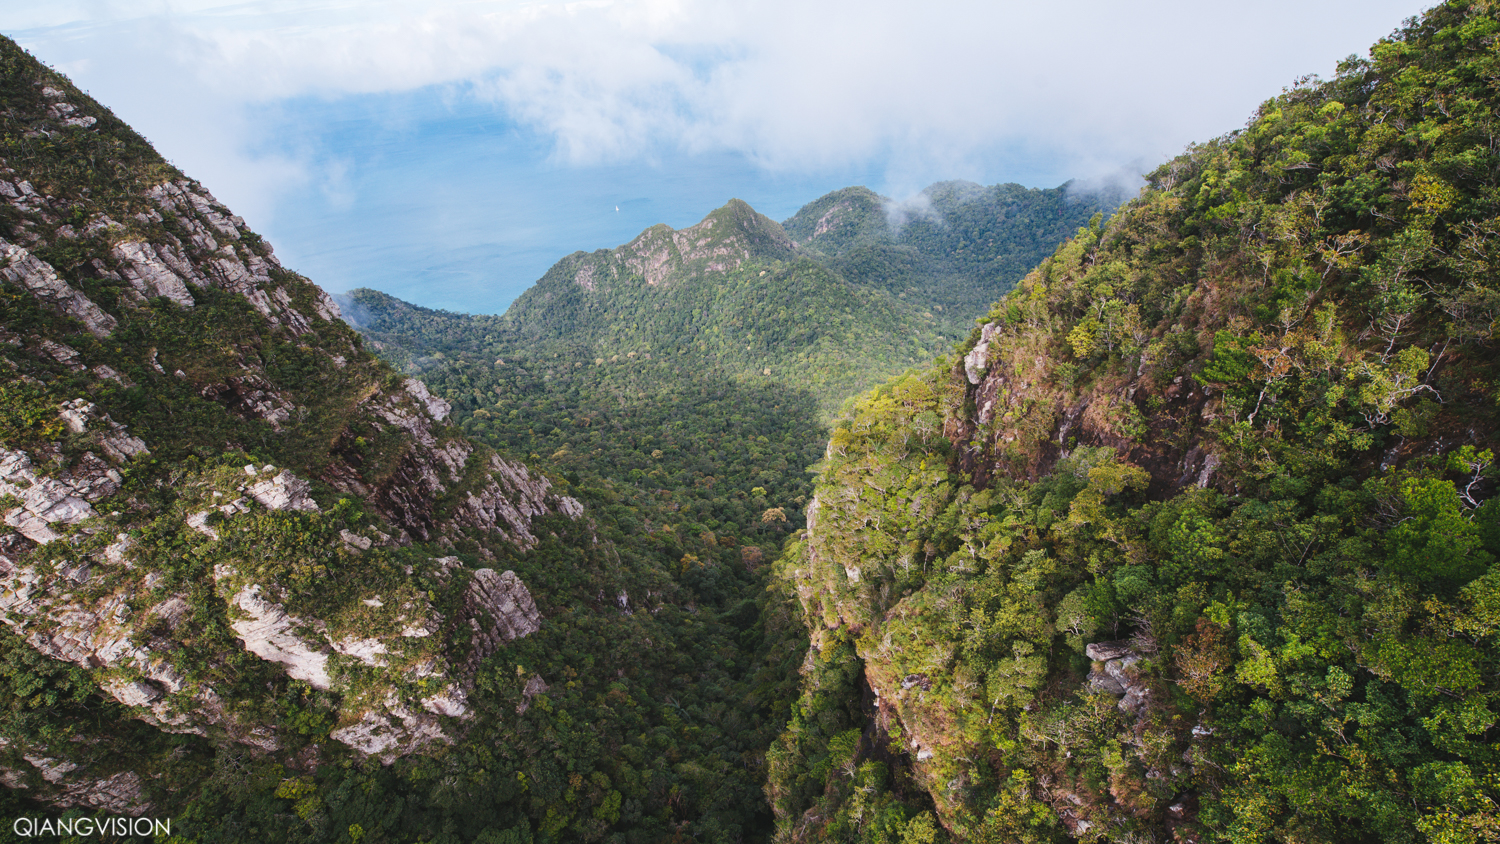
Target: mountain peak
column 722, row 242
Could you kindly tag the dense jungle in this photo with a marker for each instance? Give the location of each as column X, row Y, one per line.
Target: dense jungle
column 752, row 531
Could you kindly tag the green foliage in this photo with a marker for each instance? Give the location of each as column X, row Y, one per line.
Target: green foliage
column 1434, row 542
column 110, row 163
column 1246, row 429
column 1232, row 362
column 691, row 477
column 858, row 303
column 28, row 414
column 953, row 253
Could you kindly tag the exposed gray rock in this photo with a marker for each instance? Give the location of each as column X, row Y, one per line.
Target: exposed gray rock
column 369, row 651
column 18, row 266
column 1105, row 651
column 1137, row 695
column 24, row 197
column 328, row 309
column 157, row 271
column 123, row 626
column 100, row 223
column 452, row 703
column 64, row 112
column 67, row 784
column 1210, row 463
column 392, row 731
column 570, row 507
column 225, row 258
column 44, row 501
column 388, row 728
column 81, row 416
column 118, row 552
column 1117, row 675
column 93, row 478
column 977, row 361
column 500, row 610
column 122, row 794
column 283, row 492
column 508, row 504
column 659, row 251
column 133, row 693
column 269, row 633
column 503, row 507
column 53, row 770
column 252, row 396
column 437, row 408
column 1100, row 681
column 65, row 355
column 355, row 542
column 199, row 522
column 535, row 685
column 76, row 572
column 181, row 199
column 112, row 374
column 99, row 634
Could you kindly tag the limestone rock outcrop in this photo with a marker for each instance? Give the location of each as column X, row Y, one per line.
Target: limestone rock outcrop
column 44, row 502
column 499, row 610
column 500, row 498
column 18, row 266
column 63, row 785
column 285, row 491
column 161, row 351
column 269, row 633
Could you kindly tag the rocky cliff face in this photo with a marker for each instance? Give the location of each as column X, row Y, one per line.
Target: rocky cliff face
column 205, row 479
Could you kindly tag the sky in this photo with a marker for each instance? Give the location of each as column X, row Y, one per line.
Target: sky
column 449, row 151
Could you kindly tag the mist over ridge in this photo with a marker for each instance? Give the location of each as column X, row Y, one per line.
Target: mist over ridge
column 450, row 152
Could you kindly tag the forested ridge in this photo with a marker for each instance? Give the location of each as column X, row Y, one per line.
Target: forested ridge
column 211, row 488
column 690, row 449
column 1193, row 537
column 954, row 247
column 853, row 289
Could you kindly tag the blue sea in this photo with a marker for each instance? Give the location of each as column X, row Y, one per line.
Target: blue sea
column 434, row 197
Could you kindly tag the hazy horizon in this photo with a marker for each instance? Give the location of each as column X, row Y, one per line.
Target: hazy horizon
column 448, row 153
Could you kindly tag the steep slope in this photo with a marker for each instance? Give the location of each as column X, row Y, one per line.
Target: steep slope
column 1196, row 536
column 866, row 290
column 657, row 427
column 211, row 491
column 254, row 580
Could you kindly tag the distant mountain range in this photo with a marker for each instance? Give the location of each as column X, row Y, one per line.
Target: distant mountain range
column 1191, row 533
column 851, row 290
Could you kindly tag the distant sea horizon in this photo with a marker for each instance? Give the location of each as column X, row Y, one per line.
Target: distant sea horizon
column 441, row 202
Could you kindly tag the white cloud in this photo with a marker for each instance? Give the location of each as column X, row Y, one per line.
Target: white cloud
column 927, row 90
